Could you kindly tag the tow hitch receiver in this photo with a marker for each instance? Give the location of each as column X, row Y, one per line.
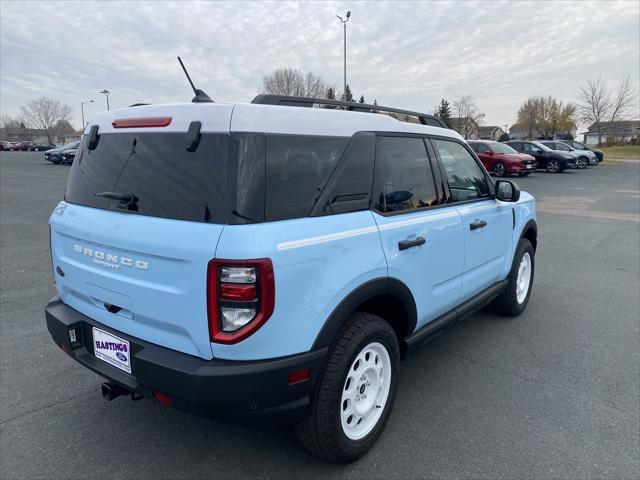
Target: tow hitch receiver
column 111, row 391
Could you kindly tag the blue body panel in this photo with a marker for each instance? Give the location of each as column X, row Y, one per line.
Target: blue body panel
column 164, row 303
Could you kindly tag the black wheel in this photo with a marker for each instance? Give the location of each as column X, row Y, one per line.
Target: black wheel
column 355, row 393
column 514, row 299
column 553, row 166
column 498, row 169
column 582, row 162
column 524, row 174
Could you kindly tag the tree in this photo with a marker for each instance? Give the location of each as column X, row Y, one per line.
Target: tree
column 504, row 137
column 594, row 102
column 347, row 96
column 598, row 105
column 545, row 116
column 443, row 112
column 468, row 116
column 289, row 81
column 361, row 99
column 45, row 113
column 331, row 93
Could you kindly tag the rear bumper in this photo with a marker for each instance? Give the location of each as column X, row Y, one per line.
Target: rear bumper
column 244, row 391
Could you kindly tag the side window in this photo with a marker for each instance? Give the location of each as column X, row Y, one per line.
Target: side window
column 482, row 148
column 467, row 180
column 562, row 146
column 529, row 148
column 298, row 167
column 475, row 147
column 403, row 175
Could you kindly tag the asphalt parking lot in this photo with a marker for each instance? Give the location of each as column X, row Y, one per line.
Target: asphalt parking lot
column 554, row 393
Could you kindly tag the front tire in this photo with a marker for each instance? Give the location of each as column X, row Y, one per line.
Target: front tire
column 499, row 170
column 355, row 393
column 553, row 166
column 582, row 162
column 515, row 298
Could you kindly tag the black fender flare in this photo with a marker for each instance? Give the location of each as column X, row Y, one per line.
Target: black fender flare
column 367, row 291
column 530, row 225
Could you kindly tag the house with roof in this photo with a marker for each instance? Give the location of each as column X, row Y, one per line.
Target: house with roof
column 621, row 131
column 490, row 132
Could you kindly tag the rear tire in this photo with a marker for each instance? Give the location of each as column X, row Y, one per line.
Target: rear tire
column 343, row 421
column 514, row 299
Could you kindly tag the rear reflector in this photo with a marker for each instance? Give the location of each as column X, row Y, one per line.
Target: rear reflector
column 299, row 376
column 238, row 292
column 163, row 399
column 141, row 122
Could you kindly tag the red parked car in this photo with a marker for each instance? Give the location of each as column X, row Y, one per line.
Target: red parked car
column 501, row 159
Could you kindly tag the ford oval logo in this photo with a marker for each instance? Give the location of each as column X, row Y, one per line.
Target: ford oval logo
column 121, row 356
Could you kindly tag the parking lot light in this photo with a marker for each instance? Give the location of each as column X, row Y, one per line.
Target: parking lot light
column 105, row 92
column 82, row 109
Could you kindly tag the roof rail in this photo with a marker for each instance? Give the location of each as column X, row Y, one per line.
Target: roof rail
column 291, row 101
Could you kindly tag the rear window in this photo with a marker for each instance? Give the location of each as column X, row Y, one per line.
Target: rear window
column 165, row 179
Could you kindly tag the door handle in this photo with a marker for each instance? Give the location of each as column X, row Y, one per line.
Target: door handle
column 477, row 224
column 404, row 244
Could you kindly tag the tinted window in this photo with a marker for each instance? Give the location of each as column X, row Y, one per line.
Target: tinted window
column 467, row 180
column 298, row 167
column 483, row 148
column 562, row 146
column 474, row 147
column 403, row 175
column 165, row 179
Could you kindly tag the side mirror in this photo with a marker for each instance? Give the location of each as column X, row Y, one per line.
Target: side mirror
column 507, row 191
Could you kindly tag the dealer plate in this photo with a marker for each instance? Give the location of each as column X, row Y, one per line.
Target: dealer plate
column 111, row 349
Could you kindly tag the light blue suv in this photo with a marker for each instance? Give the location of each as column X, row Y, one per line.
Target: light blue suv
column 267, row 261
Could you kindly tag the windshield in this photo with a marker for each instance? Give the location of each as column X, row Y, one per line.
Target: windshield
column 562, row 146
column 502, row 148
column 542, row 147
column 71, row 145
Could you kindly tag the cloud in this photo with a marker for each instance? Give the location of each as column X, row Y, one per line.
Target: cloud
column 406, row 54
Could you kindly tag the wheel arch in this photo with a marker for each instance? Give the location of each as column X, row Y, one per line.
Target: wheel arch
column 388, row 298
column 530, row 232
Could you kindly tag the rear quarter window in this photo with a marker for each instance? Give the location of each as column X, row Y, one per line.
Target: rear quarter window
column 297, row 169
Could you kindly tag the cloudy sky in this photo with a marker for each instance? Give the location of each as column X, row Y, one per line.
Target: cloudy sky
column 407, row 55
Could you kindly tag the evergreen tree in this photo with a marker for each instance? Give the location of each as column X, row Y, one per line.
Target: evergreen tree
column 361, row 99
column 331, row 93
column 444, row 112
column 347, row 96
column 504, row 137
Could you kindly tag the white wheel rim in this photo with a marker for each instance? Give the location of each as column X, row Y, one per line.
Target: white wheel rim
column 524, row 278
column 365, row 391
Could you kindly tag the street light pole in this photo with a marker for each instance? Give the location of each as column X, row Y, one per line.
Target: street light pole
column 106, row 94
column 344, row 24
column 82, row 109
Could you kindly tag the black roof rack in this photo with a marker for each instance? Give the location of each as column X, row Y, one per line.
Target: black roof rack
column 291, row 101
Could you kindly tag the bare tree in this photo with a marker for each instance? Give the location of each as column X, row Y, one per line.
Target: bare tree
column 468, row 116
column 594, row 103
column 289, row 81
column 622, row 101
column 45, row 113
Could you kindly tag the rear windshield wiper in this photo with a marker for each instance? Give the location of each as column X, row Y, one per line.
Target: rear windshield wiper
column 128, row 200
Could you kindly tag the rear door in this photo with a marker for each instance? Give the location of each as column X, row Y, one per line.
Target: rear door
column 487, row 222
column 422, row 238
column 137, row 263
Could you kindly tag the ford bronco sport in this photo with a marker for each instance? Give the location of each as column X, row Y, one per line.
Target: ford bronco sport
column 267, row 261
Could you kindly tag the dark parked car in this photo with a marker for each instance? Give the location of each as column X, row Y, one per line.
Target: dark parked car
column 40, row 147
column 582, row 146
column 584, row 158
column 501, row 159
column 69, row 155
column 23, row 146
column 55, row 155
column 551, row 160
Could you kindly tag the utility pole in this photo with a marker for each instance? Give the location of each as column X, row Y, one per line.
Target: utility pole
column 82, row 104
column 344, row 24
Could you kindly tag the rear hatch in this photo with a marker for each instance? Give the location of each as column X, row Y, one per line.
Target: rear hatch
column 137, row 261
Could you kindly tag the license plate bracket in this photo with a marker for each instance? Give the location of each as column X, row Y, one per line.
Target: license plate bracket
column 112, row 349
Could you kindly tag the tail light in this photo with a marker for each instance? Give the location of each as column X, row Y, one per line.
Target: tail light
column 240, row 298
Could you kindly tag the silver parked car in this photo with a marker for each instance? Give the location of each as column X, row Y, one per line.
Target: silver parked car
column 584, row 158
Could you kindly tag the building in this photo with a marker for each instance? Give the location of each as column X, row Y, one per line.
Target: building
column 622, row 131
column 36, row 135
column 465, row 126
column 490, row 132
column 518, row 131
